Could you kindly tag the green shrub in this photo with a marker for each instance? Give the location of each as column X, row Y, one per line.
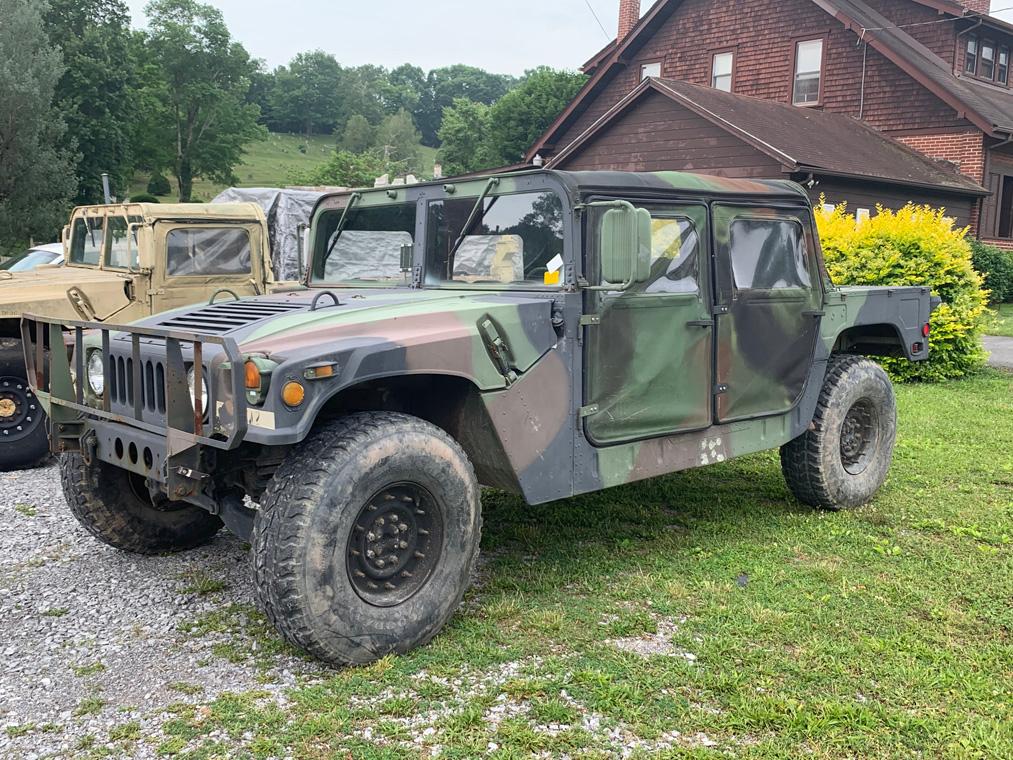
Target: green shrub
column 159, row 184
column 143, row 198
column 996, row 267
column 916, row 245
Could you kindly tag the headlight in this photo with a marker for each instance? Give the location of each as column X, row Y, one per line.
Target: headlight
column 96, row 373
column 191, row 379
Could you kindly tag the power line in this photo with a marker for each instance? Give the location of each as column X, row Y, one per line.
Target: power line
column 595, row 14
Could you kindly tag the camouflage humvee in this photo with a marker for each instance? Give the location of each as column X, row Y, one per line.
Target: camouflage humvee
column 123, row 262
column 547, row 333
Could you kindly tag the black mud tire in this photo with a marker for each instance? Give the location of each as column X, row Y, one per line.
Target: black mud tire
column 312, row 515
column 844, row 458
column 111, row 504
column 24, row 435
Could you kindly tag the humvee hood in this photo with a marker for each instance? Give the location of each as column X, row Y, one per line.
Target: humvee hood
column 434, row 326
column 45, row 291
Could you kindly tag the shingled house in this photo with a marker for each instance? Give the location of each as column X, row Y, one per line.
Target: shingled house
column 865, row 101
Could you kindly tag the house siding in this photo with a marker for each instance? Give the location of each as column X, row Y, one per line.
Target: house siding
column 764, row 47
column 868, row 195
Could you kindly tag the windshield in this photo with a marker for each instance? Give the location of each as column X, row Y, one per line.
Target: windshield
column 511, row 240
column 28, row 260
column 367, row 247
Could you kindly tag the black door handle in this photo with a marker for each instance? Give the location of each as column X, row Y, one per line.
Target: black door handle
column 701, row 323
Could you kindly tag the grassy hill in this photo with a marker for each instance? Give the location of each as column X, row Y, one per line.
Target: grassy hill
column 269, row 163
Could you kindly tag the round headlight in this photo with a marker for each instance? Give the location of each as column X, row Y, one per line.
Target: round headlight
column 96, row 373
column 191, row 380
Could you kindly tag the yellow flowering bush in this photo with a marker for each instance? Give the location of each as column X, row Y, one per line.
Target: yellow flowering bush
column 916, row 245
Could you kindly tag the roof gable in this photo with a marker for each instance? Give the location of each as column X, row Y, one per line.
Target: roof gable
column 800, row 140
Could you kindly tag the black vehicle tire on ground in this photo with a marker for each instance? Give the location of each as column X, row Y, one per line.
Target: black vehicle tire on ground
column 844, row 458
column 24, row 438
column 114, row 506
column 382, row 484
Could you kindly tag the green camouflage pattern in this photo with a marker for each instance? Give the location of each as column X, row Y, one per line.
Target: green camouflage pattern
column 559, row 389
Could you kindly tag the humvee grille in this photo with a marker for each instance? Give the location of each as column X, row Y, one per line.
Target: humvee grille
column 121, row 383
column 222, row 318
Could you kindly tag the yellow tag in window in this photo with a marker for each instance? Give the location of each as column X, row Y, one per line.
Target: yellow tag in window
column 552, row 278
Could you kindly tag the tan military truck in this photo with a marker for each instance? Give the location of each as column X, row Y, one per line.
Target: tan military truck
column 125, row 262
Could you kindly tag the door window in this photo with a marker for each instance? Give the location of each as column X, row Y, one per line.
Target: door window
column 122, row 249
column 205, row 251
column 675, row 256
column 768, row 254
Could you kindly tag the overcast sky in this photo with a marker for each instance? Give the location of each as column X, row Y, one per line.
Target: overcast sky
column 506, row 37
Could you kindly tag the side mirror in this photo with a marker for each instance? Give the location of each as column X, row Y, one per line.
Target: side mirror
column 625, row 247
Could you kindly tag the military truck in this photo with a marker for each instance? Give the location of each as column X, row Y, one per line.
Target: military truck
column 124, row 262
column 547, row 333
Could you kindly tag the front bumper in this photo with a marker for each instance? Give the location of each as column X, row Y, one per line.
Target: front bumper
column 147, row 421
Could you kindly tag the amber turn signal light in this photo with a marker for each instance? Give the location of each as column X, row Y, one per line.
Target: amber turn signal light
column 252, row 372
column 293, row 394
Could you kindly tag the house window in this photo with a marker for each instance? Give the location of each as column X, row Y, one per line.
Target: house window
column 650, row 70
column 808, row 70
column 971, row 57
column 986, row 68
column 1002, row 70
column 721, row 71
column 1006, row 209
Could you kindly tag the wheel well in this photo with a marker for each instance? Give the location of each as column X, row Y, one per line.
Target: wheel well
column 873, row 340
column 449, row 402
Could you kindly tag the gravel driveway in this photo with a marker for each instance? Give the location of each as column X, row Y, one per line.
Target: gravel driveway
column 97, row 644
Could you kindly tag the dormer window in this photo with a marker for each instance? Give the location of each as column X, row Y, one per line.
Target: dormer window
column 985, row 59
column 807, row 86
column 986, row 66
column 1002, row 70
column 971, row 57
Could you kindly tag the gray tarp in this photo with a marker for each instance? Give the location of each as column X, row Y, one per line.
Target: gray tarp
column 288, row 215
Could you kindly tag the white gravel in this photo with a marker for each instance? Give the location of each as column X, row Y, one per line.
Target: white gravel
column 81, row 623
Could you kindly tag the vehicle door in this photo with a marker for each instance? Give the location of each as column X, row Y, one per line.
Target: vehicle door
column 649, row 349
column 767, row 308
column 203, row 258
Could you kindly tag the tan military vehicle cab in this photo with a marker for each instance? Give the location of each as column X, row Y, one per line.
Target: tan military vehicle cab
column 125, row 262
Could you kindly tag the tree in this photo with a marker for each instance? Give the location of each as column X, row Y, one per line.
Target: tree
column 203, row 120
column 522, row 115
column 345, row 169
column 444, row 86
column 358, row 135
column 398, row 139
column 306, row 96
column 464, row 133
column 95, row 91
column 36, row 168
column 406, row 86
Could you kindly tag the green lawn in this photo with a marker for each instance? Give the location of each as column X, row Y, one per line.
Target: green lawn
column 778, row 631
column 269, row 163
column 1003, row 321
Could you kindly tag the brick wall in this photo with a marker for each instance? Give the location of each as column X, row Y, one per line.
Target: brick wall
column 763, row 34
column 964, row 149
column 978, row 6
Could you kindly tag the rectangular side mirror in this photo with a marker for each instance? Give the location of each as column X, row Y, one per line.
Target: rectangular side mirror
column 625, row 246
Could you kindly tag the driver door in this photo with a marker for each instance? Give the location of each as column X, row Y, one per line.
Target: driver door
column 650, row 355
column 201, row 259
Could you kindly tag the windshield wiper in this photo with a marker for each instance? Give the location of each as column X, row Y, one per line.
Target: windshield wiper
column 472, row 218
column 355, row 197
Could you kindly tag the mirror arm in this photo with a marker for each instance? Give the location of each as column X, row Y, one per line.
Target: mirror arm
column 633, row 275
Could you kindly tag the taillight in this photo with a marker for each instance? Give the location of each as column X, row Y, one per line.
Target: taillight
column 926, row 329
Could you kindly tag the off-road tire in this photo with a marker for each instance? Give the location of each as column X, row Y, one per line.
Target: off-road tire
column 19, row 449
column 829, row 466
column 108, row 502
column 317, row 502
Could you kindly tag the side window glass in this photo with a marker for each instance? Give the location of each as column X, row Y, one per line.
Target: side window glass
column 768, row 254
column 206, row 251
column 675, row 256
column 122, row 249
column 86, row 241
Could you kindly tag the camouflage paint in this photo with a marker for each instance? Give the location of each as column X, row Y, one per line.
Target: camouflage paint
column 571, row 362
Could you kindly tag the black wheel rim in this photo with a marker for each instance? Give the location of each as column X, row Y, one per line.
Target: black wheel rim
column 20, row 413
column 394, row 544
column 859, row 437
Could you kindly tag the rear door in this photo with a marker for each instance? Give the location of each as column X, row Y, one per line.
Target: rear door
column 768, row 305
column 649, row 350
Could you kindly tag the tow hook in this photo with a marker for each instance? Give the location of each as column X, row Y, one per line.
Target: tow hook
column 89, row 446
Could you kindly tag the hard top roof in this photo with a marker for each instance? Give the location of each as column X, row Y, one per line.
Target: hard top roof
column 244, row 211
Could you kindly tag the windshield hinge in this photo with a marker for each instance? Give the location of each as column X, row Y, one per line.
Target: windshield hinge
column 588, row 411
column 590, row 320
column 159, row 292
column 417, row 277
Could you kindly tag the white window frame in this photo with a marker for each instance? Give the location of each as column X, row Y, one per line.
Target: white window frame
column 728, row 55
column 650, row 69
column 798, row 74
